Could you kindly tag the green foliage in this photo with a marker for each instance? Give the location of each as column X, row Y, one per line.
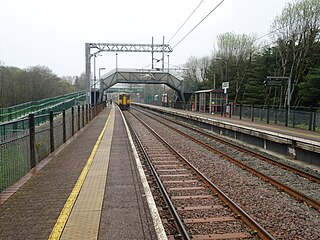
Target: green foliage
column 295, row 50
column 296, row 32
column 31, row 84
column 309, row 90
column 253, row 91
column 80, row 82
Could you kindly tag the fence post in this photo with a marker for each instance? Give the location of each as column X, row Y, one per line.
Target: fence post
column 91, row 112
column 51, row 131
column 287, row 117
column 78, row 117
column 293, row 113
column 268, row 113
column 9, row 115
column 261, row 113
column 64, row 133
column 230, row 110
column 72, row 121
column 83, row 112
column 221, row 110
column 314, row 121
column 87, row 113
column 240, row 111
column 32, row 134
column 252, row 112
column 310, row 118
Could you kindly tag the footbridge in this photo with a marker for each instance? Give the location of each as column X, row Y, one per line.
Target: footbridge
column 142, row 76
column 127, row 75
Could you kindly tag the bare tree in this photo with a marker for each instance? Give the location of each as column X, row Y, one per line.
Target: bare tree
column 296, row 30
column 236, row 51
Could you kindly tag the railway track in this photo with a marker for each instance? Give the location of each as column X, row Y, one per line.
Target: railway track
column 305, row 188
column 199, row 208
column 284, row 216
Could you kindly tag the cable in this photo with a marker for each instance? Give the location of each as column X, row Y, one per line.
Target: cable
column 198, row 24
column 185, row 21
column 193, row 27
column 274, row 31
column 180, row 28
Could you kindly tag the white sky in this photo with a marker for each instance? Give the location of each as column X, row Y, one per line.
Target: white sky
column 53, row 33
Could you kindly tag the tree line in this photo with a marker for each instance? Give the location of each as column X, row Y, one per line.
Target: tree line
column 34, row 83
column 245, row 63
column 240, row 59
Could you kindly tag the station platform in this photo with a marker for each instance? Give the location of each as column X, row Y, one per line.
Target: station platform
column 280, row 130
column 290, row 142
column 92, row 187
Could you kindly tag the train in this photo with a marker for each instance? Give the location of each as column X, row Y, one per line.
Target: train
column 124, row 101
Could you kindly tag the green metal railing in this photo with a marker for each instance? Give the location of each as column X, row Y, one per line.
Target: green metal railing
column 25, row 142
column 18, row 111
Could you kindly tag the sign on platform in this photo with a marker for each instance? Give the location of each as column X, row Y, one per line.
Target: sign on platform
column 273, row 82
column 225, row 85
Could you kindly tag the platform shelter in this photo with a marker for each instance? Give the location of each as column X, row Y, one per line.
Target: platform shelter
column 209, row 101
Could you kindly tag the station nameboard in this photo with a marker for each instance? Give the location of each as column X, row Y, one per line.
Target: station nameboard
column 275, row 81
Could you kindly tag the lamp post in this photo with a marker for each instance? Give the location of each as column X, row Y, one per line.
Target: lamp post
column 94, row 78
column 227, row 78
column 116, row 61
column 101, row 91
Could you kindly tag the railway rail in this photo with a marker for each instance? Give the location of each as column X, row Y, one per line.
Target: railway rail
column 195, row 203
column 308, row 192
column 255, row 205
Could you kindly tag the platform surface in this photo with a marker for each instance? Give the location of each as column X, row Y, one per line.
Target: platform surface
column 110, row 204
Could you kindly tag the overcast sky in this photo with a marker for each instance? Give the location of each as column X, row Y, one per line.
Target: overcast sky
column 53, row 33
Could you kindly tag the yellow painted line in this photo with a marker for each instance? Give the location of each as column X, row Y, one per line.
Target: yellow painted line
column 65, row 212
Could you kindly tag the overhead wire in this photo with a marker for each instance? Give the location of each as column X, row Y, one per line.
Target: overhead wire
column 196, row 8
column 273, row 32
column 185, row 21
column 263, row 36
column 198, row 23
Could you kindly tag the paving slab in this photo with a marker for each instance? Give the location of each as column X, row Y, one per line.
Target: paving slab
column 125, row 212
column 33, row 210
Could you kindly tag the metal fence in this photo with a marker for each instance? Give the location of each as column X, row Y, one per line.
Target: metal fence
column 39, row 107
column 304, row 118
column 25, row 142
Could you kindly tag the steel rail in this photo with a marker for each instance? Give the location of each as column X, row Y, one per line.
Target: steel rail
column 261, row 157
column 245, row 217
column 178, row 222
column 300, row 196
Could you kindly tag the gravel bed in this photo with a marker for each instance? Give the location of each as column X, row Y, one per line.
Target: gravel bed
column 211, row 200
column 289, row 178
column 175, row 178
column 202, row 213
column 217, row 228
column 168, row 172
column 188, row 192
column 184, row 184
column 198, row 202
column 279, row 213
column 290, row 162
column 169, row 227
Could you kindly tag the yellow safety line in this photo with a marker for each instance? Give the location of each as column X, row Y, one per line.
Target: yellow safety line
column 65, row 212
